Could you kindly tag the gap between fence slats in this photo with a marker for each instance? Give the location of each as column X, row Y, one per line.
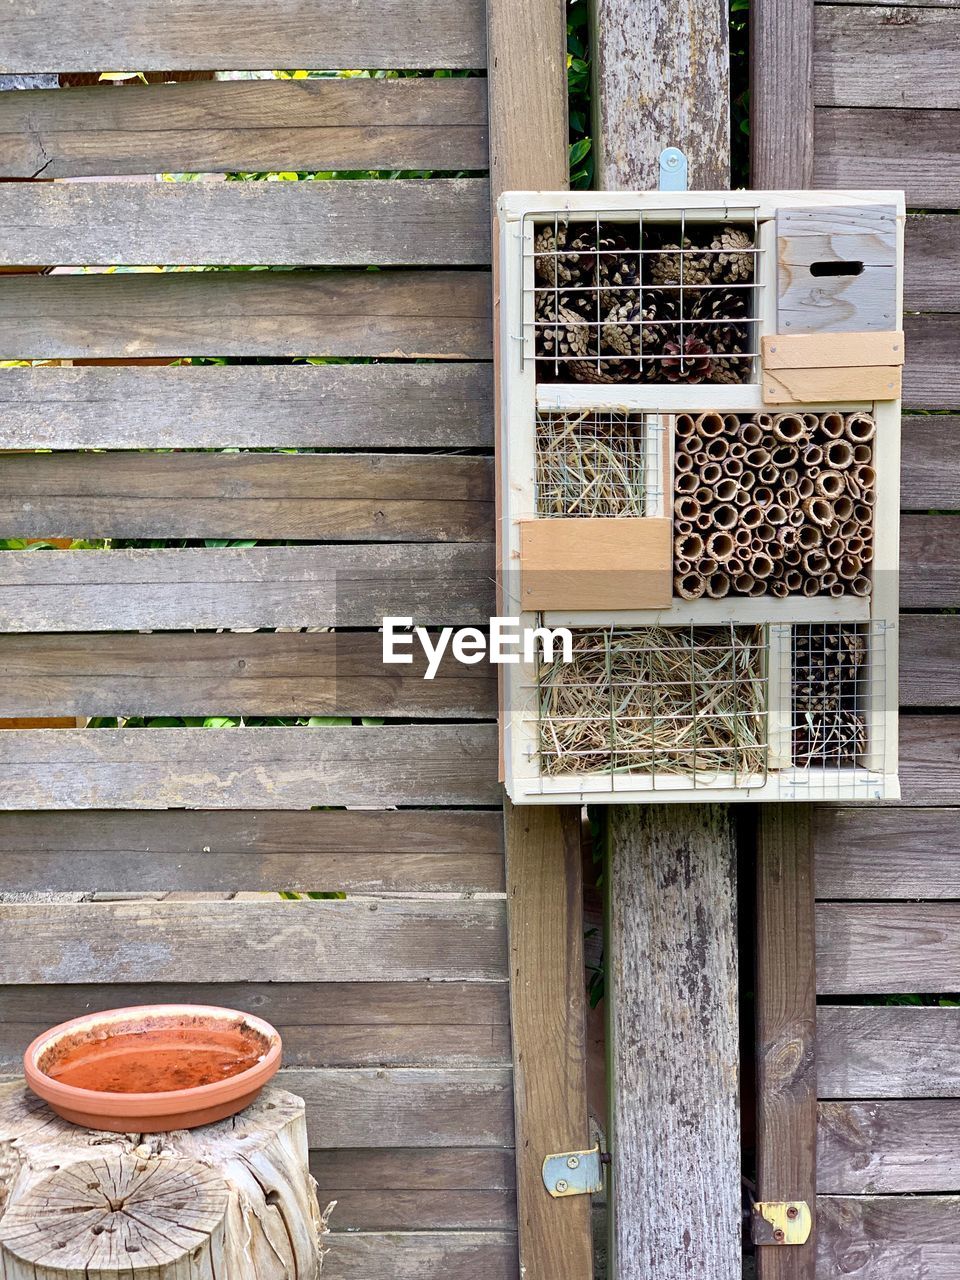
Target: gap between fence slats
column 405, row 223
column 249, row 768
column 304, row 406
column 442, row 314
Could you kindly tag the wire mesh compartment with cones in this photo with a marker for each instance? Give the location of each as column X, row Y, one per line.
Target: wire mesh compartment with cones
column 723, row 549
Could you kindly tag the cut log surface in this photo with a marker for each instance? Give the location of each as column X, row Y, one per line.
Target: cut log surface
column 229, row 1199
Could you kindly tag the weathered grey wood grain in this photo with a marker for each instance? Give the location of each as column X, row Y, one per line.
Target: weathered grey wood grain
column 866, row 948
column 886, row 853
column 674, row 1057
column 314, row 497
column 880, row 56
column 888, row 1052
column 932, row 262
column 340, row 1024
column 423, row 1255
column 929, row 660
column 246, row 125
column 419, row 1169
column 248, row 768
column 888, row 1237
column 661, row 78
column 406, row 223
column 206, row 588
column 445, row 314
column 330, row 673
column 930, row 463
column 304, row 406
column 781, row 97
column 404, row 1210
column 279, row 941
column 242, row 35
column 930, row 562
column 786, row 1000
column 930, row 377
column 914, row 149
column 930, row 759
column 354, row 852
column 886, row 1147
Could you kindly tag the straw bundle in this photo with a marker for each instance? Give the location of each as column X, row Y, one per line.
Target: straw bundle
column 592, row 464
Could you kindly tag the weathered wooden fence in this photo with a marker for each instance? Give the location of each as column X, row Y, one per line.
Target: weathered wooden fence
column 867, row 95
column 393, row 1003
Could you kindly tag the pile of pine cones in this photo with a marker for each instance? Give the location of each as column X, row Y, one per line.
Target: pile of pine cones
column 773, row 504
column 609, row 309
column 828, row 674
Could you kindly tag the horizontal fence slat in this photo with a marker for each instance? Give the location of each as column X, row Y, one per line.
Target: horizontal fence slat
column 866, row 948
column 932, row 263
column 222, row 851
column 930, row 561
column 404, row 1210
column 322, row 1025
column 207, row 588
column 888, row 1237
column 252, row 941
column 886, row 56
column 931, row 376
column 930, row 463
column 914, row 149
column 415, row 1169
column 339, row 224
column 314, row 497
column 170, row 674
column 929, row 660
column 422, row 1255
column 886, row 853
column 200, row 407
column 930, row 759
column 195, row 35
column 443, row 314
column 215, row 127
column 890, row 1052
column 885, row 1147
column 249, row 768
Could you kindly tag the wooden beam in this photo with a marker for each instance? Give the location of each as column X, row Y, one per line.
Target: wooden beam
column 786, row 1028
column 781, row 93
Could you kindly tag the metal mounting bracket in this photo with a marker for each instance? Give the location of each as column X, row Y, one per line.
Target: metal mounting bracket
column 673, row 170
column 781, row 1222
column 573, row 1173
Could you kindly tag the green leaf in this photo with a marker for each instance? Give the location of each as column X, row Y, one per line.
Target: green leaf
column 578, row 150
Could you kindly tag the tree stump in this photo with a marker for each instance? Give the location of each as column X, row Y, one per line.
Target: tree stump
column 226, row 1201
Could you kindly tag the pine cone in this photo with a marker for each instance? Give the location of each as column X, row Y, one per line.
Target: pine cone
column 733, row 257
column 576, row 267
column 691, row 267
column 562, row 326
column 692, row 362
column 715, row 313
column 618, row 270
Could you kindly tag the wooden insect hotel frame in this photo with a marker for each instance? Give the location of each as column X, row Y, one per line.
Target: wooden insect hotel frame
column 699, row 407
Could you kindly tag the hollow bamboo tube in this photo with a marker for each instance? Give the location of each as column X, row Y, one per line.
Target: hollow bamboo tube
column 761, row 565
column 855, row 546
column 683, row 425
column 744, row 583
column 769, row 474
column 789, row 498
column 805, row 488
column 725, row 516
column 809, row 536
column 720, row 546
column 835, row 548
column 686, row 483
column 751, row 516
column 689, row 547
column 711, row 473
column 763, row 495
column 758, row 457
column 717, row 448
column 737, row 450
column 866, row 555
column 866, row 477
column 710, row 424
column 700, row 459
column 718, row 585
column 763, row 420
column 849, row 567
column 704, row 522
column 812, row 456
column 742, row 498
column 868, row 497
column 832, row 425
column 829, row 485
column 790, row 428
column 838, row 590
column 779, row 589
column 765, row 532
column 790, row 478
column 704, row 496
column 793, row 579
column 843, row 507
column 747, row 480
column 683, row 462
column 785, row 455
column 815, row 563
column 811, row 420
column 692, row 445
column 733, row 467
column 758, row 589
column 691, row 586
column 862, row 513
column 708, row 565
column 750, row 434
column 862, row 453
column 743, row 537
column 776, row 514
column 838, row 455
column 860, row 586
column 683, row 566
column 725, row 490
column 734, row 566
column 829, row 578
column 686, row 508
column 793, row 557
column 847, row 530
column 796, row 517
column 682, row 527
column 731, row 425
column 786, row 536
column 811, row 587
column 860, row 428
column 819, row 511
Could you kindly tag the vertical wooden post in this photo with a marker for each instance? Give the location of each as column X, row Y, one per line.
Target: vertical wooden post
column 662, row 79
column 781, row 94
column 527, row 80
column 786, row 995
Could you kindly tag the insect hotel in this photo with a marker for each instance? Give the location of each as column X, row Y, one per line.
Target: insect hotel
column 699, row 471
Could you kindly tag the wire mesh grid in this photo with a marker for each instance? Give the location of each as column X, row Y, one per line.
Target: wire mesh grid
column 599, row 464
column 836, row 673
column 683, row 706
column 664, row 296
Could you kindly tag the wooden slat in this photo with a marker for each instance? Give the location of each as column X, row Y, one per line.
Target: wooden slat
column 883, row 1148
column 337, row 1024
column 866, row 948
column 279, row 941
column 403, row 1210
column 781, row 98
column 932, row 262
column 247, row 126
column 305, row 406
column 886, row 853
column 930, row 660
column 422, row 1255
column 860, row 147
column 786, row 1027
column 930, row 759
column 445, row 314
column 407, row 223
column 880, row 56
column 325, row 674
column 205, row 588
column 930, row 378
column 313, row 497
column 888, row 1052
column 248, row 768
column 930, row 475
column 930, row 562
column 887, row 1237
column 242, row 35
column 225, row 851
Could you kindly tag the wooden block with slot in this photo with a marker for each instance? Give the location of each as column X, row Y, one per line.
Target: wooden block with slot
column 820, row 367
column 604, row 564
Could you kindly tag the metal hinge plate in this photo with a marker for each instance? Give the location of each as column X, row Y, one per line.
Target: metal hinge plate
column 781, row 1222
column 573, row 1173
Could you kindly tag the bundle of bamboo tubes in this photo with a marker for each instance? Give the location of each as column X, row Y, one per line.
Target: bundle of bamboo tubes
column 773, row 504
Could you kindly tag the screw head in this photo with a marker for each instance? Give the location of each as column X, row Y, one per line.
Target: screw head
column 561, row 1185
column 778, row 1236
column 793, row 1212
column 573, row 1162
